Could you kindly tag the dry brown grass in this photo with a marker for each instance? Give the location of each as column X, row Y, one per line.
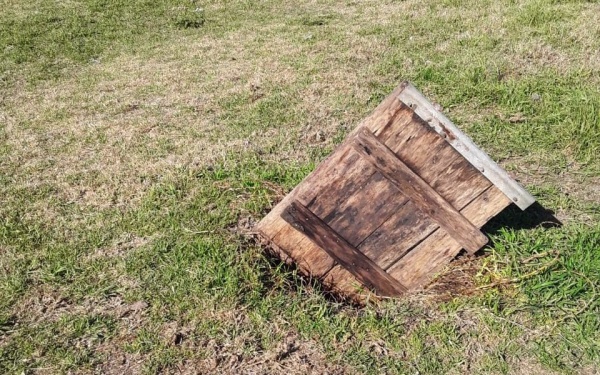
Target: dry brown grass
column 103, row 135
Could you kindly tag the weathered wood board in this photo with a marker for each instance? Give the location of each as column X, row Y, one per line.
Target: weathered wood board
column 394, row 203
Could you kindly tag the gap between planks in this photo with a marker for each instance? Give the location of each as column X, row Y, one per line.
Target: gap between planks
column 355, row 262
column 418, row 191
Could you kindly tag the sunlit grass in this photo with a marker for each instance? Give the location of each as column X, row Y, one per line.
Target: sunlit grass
column 140, row 140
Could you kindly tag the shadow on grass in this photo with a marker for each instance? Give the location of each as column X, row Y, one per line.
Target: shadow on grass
column 457, row 281
column 512, row 217
column 296, row 281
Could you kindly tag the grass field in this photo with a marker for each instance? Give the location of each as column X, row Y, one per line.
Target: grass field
column 140, row 140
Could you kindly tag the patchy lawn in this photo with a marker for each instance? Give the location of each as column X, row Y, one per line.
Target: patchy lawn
column 140, row 141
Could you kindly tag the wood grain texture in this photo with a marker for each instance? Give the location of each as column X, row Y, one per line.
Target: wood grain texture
column 361, row 267
column 441, row 166
column 289, row 242
column 392, row 240
column 339, row 280
column 416, row 268
column 353, row 199
column 336, row 188
column 427, row 154
column 385, row 112
column 418, row 191
column 310, row 259
column 366, row 210
column 465, row 146
column 338, row 164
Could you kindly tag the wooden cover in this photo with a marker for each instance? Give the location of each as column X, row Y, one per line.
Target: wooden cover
column 393, row 204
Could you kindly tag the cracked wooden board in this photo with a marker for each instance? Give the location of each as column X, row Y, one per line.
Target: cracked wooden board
column 392, row 204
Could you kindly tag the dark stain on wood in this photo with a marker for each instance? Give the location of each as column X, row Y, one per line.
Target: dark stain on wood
column 363, row 268
column 354, row 220
column 392, row 240
column 419, row 192
column 392, row 205
column 447, row 132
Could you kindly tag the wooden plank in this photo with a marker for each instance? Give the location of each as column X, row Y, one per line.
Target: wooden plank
column 365, row 270
column 385, row 112
column 398, row 120
column 339, row 163
column 337, row 189
column 336, row 199
column 409, row 226
column 310, row 258
column 366, row 210
column 418, row 191
column 392, row 240
column 421, row 263
column 339, row 280
column 389, row 115
column 342, row 186
column 442, row 167
column 463, row 144
column 458, row 182
column 428, row 155
column 413, row 139
column 425, row 259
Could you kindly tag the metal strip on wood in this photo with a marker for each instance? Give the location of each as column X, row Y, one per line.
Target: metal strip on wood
column 463, row 144
column 418, row 191
column 363, row 268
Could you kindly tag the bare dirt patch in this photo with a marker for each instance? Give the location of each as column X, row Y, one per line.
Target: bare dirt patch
column 290, row 356
column 49, row 305
column 120, row 247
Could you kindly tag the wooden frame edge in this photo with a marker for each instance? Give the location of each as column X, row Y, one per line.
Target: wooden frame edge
column 465, row 146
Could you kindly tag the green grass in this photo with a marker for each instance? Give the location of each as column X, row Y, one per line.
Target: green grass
column 138, row 138
column 49, row 37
